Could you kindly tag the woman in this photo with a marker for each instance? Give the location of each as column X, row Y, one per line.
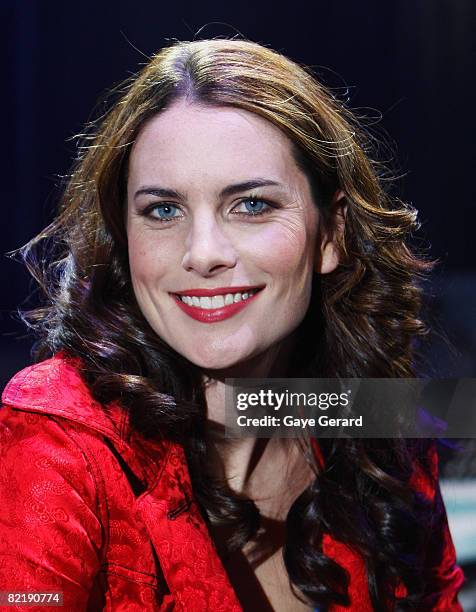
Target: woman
column 223, row 220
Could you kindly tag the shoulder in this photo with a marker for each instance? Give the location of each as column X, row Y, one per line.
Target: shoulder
column 43, row 439
column 54, row 389
column 48, row 409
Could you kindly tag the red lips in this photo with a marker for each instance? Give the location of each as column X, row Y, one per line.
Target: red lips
column 214, row 314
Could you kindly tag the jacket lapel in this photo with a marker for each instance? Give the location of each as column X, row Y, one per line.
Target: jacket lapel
column 187, row 555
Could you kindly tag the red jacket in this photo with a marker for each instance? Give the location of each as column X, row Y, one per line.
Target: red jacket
column 87, row 505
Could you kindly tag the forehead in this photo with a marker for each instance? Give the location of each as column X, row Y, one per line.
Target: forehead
column 190, row 140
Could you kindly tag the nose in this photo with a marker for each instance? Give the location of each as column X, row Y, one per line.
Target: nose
column 208, row 251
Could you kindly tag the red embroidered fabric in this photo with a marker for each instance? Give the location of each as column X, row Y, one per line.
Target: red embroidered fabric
column 90, row 509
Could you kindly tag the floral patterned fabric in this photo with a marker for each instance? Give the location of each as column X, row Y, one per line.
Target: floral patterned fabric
column 91, row 509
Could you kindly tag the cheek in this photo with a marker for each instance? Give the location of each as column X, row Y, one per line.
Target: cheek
column 138, row 263
column 283, row 248
column 147, row 262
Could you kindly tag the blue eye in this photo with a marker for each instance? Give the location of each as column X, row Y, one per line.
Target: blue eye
column 163, row 212
column 254, row 206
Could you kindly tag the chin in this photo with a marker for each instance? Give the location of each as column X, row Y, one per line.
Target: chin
column 214, row 363
column 215, row 359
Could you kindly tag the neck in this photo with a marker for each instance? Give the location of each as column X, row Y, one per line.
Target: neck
column 237, row 460
column 274, row 363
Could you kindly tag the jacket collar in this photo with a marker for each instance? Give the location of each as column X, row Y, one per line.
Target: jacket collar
column 55, row 387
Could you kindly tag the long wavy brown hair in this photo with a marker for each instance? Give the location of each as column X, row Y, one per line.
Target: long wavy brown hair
column 363, row 320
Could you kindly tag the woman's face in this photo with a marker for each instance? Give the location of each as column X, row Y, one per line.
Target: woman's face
column 217, row 209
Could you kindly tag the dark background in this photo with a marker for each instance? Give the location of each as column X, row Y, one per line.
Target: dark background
column 408, row 67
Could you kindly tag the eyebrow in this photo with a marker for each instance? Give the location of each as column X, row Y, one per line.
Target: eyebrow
column 163, row 192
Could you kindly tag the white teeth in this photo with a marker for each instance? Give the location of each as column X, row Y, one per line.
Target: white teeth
column 206, row 302
column 217, row 301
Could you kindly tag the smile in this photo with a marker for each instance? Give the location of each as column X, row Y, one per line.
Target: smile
column 212, row 308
